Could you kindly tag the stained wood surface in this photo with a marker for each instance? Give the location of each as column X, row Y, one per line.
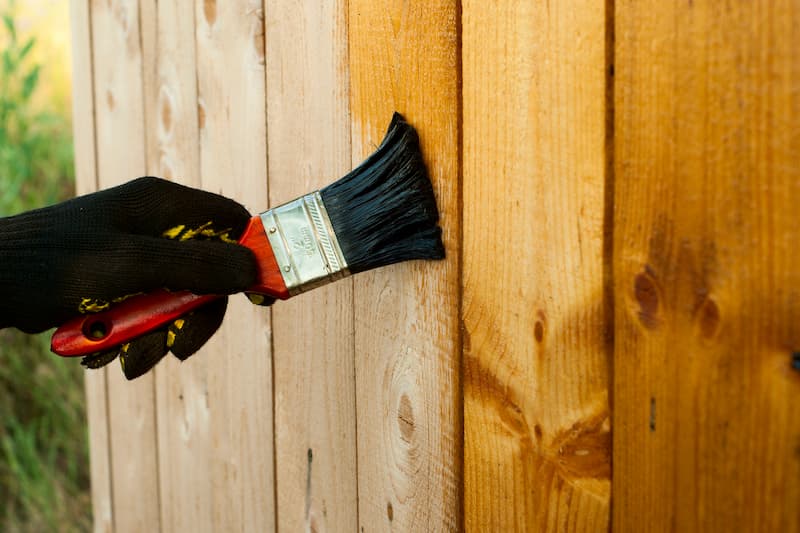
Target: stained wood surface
column 706, row 425
column 536, row 362
column 404, row 57
column 233, row 162
column 309, row 147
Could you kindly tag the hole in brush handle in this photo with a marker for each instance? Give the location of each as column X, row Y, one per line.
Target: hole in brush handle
column 96, row 329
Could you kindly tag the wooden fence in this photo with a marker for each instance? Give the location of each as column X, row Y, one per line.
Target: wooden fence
column 619, row 184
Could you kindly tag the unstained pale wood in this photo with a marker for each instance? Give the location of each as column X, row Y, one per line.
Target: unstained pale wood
column 536, row 360
column 86, row 182
column 404, row 57
column 309, row 146
column 707, row 289
column 185, row 426
column 121, row 156
column 233, row 162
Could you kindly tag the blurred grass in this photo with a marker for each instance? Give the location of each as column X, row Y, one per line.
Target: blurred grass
column 44, row 459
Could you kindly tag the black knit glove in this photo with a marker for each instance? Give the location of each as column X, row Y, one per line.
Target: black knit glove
column 83, row 255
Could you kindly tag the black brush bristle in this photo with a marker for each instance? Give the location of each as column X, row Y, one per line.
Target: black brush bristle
column 384, row 211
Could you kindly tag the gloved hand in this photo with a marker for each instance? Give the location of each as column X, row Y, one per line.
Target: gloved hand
column 85, row 254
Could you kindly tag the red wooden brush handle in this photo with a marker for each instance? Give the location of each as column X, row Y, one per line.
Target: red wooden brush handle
column 141, row 314
column 123, row 322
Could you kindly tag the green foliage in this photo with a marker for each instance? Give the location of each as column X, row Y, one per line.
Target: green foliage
column 44, row 476
column 36, row 154
column 44, row 459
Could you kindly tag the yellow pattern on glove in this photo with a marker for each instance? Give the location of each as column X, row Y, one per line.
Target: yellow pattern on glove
column 206, row 230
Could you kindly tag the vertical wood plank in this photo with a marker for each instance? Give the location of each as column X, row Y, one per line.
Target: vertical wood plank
column 309, row 147
column 83, row 97
column 707, row 430
column 536, row 361
column 120, row 133
column 184, row 421
column 233, row 161
column 83, row 125
column 404, row 57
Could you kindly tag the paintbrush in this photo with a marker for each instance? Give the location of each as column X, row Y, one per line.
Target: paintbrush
column 382, row 212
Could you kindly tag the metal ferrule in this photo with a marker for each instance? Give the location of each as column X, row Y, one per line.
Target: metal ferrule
column 304, row 243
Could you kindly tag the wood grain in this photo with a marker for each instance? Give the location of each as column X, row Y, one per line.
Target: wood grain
column 367, row 404
column 232, row 126
column 86, row 182
column 121, row 156
column 536, row 362
column 184, row 423
column 309, row 146
column 404, row 57
column 706, row 425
